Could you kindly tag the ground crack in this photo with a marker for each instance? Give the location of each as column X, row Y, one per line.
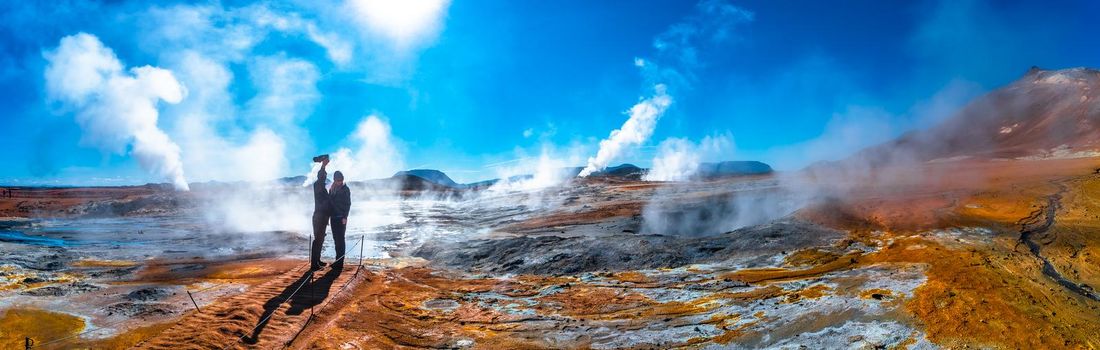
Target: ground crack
column 1038, row 223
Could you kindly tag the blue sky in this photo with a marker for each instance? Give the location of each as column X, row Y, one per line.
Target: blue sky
column 480, row 88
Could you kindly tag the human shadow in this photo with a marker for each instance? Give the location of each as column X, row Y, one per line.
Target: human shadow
column 309, row 295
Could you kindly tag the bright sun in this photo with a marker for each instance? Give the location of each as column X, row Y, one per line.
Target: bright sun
column 404, row 22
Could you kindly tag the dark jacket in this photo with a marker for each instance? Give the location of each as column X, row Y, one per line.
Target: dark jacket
column 340, row 199
column 321, row 205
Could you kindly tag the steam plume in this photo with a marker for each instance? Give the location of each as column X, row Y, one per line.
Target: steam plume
column 376, row 157
column 678, row 158
column 635, row 131
column 116, row 109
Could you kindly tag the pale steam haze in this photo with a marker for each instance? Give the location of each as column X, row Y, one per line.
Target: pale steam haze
column 117, row 109
column 636, row 130
column 551, row 167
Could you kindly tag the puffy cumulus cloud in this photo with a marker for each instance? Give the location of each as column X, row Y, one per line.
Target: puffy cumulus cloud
column 271, row 44
column 405, row 24
column 375, row 153
column 635, row 131
column 678, row 159
column 116, row 109
column 207, row 126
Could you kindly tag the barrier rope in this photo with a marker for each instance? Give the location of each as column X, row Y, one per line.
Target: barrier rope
column 341, row 257
column 265, row 319
column 334, row 295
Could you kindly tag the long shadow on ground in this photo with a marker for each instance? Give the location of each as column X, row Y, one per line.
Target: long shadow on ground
column 308, row 296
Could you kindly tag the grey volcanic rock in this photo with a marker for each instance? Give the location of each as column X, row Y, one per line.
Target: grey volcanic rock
column 569, row 255
column 148, row 294
column 62, row 290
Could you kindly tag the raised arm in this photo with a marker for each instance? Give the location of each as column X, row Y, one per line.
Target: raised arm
column 322, row 176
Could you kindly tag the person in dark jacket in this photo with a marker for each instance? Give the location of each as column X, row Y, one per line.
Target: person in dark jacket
column 340, row 199
column 322, row 210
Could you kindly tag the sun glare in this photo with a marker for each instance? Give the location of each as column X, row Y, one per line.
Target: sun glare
column 404, row 22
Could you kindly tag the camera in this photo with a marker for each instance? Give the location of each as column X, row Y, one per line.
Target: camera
column 320, row 158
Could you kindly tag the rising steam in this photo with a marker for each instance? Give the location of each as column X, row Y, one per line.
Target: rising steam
column 678, row 159
column 635, row 131
column 116, row 109
column 377, row 154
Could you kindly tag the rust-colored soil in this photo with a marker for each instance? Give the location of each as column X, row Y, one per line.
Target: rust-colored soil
column 268, row 315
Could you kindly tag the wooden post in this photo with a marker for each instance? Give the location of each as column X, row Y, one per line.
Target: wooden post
column 311, row 296
column 193, row 301
column 28, row 342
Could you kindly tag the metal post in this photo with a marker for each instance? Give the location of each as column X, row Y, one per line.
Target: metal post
column 311, row 296
column 361, row 249
column 193, row 301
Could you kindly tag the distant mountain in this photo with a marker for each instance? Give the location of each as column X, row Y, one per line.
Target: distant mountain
column 732, row 168
column 292, row 180
column 430, row 175
column 625, row 170
column 1044, row 114
column 425, row 180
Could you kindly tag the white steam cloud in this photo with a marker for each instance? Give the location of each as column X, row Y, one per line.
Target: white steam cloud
column 116, row 109
column 527, row 173
column 678, row 159
column 377, row 154
column 636, row 130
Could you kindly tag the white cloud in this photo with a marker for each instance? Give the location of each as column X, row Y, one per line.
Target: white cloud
column 116, row 109
column 286, row 89
column 337, row 49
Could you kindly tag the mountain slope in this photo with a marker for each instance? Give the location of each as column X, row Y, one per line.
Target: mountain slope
column 1045, row 113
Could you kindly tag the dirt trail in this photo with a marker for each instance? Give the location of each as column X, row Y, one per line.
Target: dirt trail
column 1038, row 223
column 266, row 316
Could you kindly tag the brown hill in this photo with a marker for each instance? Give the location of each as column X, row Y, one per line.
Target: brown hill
column 1044, row 114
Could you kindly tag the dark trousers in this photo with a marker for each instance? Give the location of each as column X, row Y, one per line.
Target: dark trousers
column 338, row 229
column 319, row 223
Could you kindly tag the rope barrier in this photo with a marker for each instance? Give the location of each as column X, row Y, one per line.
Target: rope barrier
column 341, row 290
column 265, row 319
column 30, row 342
column 58, row 340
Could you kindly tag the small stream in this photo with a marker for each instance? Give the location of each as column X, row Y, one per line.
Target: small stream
column 1048, row 215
